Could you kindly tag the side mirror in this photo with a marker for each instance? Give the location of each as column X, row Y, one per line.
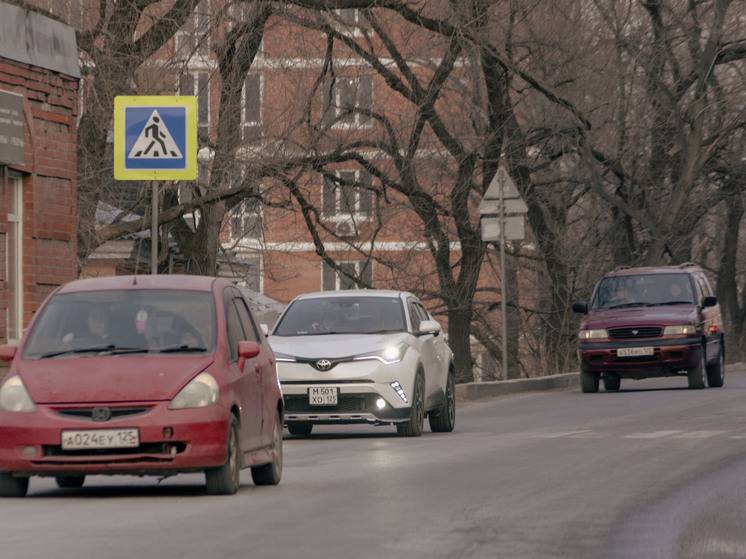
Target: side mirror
column 265, row 329
column 247, row 350
column 430, row 327
column 709, row 301
column 7, row 353
column 581, row 307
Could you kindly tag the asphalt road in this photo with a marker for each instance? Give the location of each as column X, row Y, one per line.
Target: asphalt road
column 653, row 471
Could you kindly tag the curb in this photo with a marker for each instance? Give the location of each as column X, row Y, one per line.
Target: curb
column 479, row 390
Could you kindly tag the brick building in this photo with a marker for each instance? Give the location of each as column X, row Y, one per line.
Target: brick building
column 38, row 110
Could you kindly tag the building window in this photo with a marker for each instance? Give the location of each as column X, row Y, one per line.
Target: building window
column 332, row 280
column 14, row 259
column 247, row 220
column 198, row 84
column 346, row 98
column 194, row 36
column 350, row 21
column 244, row 269
column 347, row 195
column 251, row 107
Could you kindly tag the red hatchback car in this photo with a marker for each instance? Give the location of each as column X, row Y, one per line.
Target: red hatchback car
column 143, row 375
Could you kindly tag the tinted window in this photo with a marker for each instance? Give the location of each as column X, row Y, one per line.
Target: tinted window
column 414, row 316
column 342, row 315
column 150, row 319
column 235, row 331
column 250, row 333
column 643, row 290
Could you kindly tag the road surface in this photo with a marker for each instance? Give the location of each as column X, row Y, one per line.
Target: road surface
column 653, row 471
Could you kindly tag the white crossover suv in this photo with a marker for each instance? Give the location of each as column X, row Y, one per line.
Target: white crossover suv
column 367, row 356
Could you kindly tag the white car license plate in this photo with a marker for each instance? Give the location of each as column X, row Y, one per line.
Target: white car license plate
column 635, row 351
column 322, row 396
column 100, row 438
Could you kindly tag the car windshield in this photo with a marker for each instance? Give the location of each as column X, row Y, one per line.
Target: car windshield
column 342, row 315
column 124, row 321
column 643, row 290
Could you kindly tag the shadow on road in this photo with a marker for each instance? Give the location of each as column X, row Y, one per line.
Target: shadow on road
column 129, row 491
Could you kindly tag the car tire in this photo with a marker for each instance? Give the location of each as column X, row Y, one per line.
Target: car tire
column 70, row 482
column 697, row 376
column 443, row 420
column 588, row 382
column 414, row 426
column 226, row 479
column 716, row 372
column 271, row 474
column 612, row 382
column 300, row 428
column 13, row 486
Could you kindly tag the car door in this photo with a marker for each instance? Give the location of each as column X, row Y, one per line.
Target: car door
column 264, row 364
column 428, row 351
column 249, row 387
column 710, row 319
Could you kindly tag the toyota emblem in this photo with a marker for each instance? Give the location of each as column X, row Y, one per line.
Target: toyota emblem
column 634, row 332
column 101, row 414
column 323, row 364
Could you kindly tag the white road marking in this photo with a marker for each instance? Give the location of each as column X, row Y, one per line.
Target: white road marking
column 699, row 434
column 721, row 547
column 652, row 434
column 561, row 434
column 737, row 437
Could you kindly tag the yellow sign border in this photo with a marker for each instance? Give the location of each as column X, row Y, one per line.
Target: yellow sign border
column 189, row 172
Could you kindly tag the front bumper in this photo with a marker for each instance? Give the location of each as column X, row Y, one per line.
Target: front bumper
column 30, row 443
column 359, row 384
column 670, row 357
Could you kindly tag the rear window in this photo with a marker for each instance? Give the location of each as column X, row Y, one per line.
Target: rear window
column 644, row 290
column 152, row 320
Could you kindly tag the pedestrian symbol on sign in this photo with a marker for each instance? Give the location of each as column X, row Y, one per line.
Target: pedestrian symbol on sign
column 155, row 141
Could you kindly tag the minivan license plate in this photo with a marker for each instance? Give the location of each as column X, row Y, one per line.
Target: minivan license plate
column 100, row 438
column 635, row 351
column 322, row 396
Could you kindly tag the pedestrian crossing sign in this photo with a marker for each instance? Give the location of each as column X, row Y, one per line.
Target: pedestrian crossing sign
column 155, row 138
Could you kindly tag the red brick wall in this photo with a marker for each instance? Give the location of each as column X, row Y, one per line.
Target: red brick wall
column 49, row 183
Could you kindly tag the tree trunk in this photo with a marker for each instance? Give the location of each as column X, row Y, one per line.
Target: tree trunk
column 727, row 281
column 513, row 318
column 459, row 338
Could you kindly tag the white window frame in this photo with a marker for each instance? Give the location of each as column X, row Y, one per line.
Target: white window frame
column 15, row 220
column 339, row 214
column 241, row 208
column 355, row 30
column 192, row 37
column 244, row 122
column 337, row 276
column 356, row 116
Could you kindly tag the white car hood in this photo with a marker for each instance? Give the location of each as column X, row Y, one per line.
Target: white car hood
column 334, row 346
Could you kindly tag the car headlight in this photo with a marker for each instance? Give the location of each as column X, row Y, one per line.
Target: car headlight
column 15, row 397
column 389, row 355
column 284, row 358
column 201, row 392
column 593, row 334
column 679, row 330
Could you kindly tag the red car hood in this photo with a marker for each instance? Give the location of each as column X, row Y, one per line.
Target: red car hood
column 109, row 378
column 640, row 316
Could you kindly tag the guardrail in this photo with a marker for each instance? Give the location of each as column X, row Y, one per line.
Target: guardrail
column 566, row 381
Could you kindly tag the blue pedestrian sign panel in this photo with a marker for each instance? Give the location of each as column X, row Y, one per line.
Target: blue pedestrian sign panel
column 155, row 138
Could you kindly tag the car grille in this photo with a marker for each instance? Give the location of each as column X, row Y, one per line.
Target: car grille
column 635, row 332
column 158, row 449
column 298, row 403
column 87, row 412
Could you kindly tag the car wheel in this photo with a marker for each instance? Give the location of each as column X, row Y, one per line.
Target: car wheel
column 301, row 428
column 612, row 382
column 70, row 482
column 226, row 479
column 271, row 474
column 413, row 427
column 588, row 382
column 716, row 372
column 697, row 376
column 13, row 486
column 443, row 419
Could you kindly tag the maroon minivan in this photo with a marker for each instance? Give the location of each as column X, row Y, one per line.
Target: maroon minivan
column 651, row 322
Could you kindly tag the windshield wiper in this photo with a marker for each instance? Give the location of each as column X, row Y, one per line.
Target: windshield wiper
column 181, row 349
column 109, row 348
column 673, row 303
column 635, row 304
column 385, row 331
column 319, row 333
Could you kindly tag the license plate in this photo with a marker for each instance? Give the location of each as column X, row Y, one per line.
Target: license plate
column 322, row 396
column 100, row 438
column 635, row 351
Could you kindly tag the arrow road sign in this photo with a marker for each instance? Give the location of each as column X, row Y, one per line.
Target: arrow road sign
column 155, row 138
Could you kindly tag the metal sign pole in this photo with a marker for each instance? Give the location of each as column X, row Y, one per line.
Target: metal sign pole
column 154, row 230
column 503, row 291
